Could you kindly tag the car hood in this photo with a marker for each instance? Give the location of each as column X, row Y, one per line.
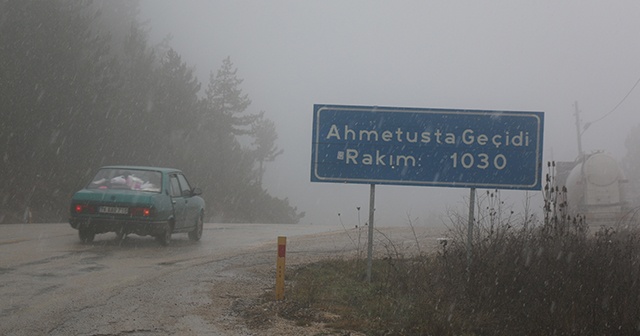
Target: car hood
column 114, row 196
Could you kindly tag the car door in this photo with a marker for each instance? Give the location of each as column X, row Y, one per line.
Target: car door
column 178, row 200
column 191, row 207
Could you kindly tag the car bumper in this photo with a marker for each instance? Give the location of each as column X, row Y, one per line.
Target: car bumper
column 103, row 225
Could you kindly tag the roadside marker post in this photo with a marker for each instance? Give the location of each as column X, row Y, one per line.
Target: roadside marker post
column 280, row 267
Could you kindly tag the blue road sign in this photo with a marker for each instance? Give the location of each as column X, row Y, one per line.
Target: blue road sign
column 427, row 147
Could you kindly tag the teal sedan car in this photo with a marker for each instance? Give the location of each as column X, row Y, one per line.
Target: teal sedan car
column 140, row 200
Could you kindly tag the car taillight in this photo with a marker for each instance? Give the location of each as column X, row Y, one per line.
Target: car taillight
column 84, row 208
column 141, row 212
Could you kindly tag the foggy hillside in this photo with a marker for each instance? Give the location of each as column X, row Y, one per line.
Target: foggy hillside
column 78, row 91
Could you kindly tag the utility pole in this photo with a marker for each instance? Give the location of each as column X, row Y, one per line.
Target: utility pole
column 578, row 132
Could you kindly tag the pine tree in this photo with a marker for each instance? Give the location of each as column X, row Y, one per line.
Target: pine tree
column 266, row 150
column 225, row 121
column 176, row 105
column 226, row 104
column 56, row 74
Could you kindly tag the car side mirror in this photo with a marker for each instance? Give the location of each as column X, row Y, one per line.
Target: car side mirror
column 196, row 191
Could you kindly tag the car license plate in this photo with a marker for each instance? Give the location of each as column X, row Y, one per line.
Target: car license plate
column 114, row 210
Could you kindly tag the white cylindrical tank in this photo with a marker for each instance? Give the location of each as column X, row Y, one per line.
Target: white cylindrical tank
column 593, row 187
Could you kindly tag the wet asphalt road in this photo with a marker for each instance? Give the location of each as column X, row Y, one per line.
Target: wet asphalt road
column 51, row 284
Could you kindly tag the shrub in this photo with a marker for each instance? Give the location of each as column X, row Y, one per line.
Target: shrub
column 553, row 278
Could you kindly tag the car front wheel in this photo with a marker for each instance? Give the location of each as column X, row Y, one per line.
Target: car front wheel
column 196, row 234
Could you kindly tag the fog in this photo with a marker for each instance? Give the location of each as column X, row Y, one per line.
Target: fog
column 530, row 56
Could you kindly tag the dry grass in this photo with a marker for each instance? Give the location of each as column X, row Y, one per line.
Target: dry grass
column 553, row 278
column 530, row 284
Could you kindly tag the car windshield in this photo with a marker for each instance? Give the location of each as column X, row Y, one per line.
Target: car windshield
column 127, row 179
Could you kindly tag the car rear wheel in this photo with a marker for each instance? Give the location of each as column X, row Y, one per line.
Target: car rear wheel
column 196, row 234
column 165, row 237
column 86, row 235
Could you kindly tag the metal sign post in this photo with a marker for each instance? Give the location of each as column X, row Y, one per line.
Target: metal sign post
column 472, row 204
column 372, row 201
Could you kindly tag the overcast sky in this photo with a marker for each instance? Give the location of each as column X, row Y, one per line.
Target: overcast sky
column 490, row 55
